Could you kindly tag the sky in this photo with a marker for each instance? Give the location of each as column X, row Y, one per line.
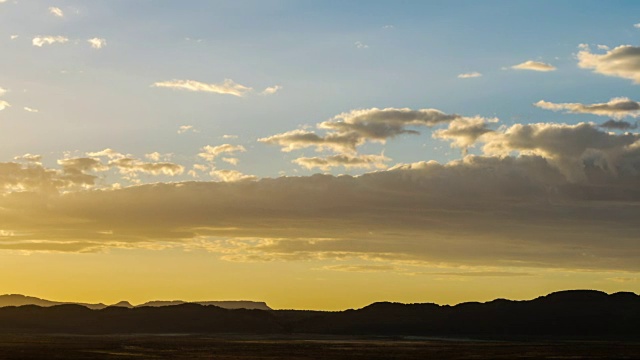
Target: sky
column 318, row 154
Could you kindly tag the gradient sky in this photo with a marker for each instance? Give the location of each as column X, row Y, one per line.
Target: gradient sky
column 317, row 154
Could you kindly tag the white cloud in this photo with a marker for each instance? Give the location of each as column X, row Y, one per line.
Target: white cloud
column 474, row 74
column 615, row 108
column 534, row 66
column 187, row 128
column 4, row 105
column 39, row 41
column 97, row 43
column 622, row 61
column 210, row 153
column 346, row 161
column 13, row 37
column 271, row 90
column 637, row 26
column 231, row 176
column 56, row 11
column 28, row 109
column 2, row 91
column 226, row 136
column 226, row 87
column 232, row 161
column 361, row 45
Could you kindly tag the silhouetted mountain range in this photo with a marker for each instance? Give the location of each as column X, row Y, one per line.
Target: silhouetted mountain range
column 565, row 314
column 20, row 300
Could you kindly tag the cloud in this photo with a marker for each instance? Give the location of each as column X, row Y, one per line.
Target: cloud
column 186, row 128
column 503, row 212
column 4, row 105
column 622, row 61
column 40, row 41
column 226, row 87
column 56, row 11
column 464, row 132
column 637, row 26
column 362, row 268
column 617, row 125
column 361, row 45
column 232, row 161
column 97, row 43
column 271, row 90
column 28, row 109
column 300, row 139
column 534, row 66
column 226, row 136
column 210, row 153
column 615, row 108
column 13, row 37
column 132, row 167
column 348, row 130
column 346, row 161
column 2, row 91
column 29, row 158
column 231, row 176
column 474, row 74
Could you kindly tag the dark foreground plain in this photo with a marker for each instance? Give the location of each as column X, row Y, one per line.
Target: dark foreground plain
column 227, row 347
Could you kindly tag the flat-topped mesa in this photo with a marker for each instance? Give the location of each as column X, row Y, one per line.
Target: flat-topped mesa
column 232, row 304
column 20, row 300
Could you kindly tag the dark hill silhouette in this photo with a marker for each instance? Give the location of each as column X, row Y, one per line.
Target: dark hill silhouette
column 19, row 300
column 566, row 314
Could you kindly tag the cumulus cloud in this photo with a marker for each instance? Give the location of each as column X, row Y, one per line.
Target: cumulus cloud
column 56, row 11
column 271, row 90
column 469, row 75
column 622, row 61
column 40, row 41
column 346, row 131
column 228, row 87
column 498, row 211
column 346, row 161
column 210, row 153
column 4, row 105
column 534, row 66
column 464, row 132
column 616, row 108
column 97, row 43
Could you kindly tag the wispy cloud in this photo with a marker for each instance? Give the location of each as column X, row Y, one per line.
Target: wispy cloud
column 32, row 110
column 39, row 41
column 361, row 45
column 56, row 11
column 97, row 43
column 187, row 128
column 615, row 108
column 534, row 66
column 4, row 105
column 228, row 87
column 271, row 90
column 474, row 74
column 210, row 153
